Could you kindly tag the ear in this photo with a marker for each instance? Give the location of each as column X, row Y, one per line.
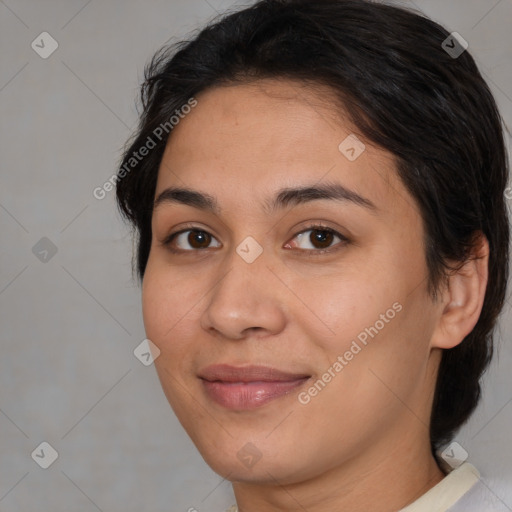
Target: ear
column 463, row 298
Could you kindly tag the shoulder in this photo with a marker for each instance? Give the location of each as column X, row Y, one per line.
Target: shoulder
column 462, row 490
column 481, row 497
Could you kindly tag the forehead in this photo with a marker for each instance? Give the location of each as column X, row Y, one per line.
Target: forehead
column 244, row 141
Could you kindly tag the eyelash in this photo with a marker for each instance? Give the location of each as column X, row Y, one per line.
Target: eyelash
column 309, row 252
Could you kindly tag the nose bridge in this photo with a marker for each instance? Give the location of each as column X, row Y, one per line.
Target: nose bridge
column 244, row 298
column 246, row 267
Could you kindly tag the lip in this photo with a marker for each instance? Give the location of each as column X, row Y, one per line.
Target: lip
column 248, row 387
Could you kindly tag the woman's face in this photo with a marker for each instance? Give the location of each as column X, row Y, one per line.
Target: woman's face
column 326, row 291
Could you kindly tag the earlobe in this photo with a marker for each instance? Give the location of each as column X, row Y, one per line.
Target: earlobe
column 463, row 298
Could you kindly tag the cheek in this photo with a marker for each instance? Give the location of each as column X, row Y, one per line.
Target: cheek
column 334, row 309
column 168, row 302
column 167, row 314
column 360, row 321
column 379, row 361
column 157, row 306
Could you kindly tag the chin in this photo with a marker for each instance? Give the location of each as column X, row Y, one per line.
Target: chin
column 244, row 462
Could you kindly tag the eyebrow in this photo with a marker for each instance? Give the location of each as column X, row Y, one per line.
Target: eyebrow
column 291, row 196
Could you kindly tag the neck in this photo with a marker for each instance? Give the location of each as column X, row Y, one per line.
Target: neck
column 372, row 482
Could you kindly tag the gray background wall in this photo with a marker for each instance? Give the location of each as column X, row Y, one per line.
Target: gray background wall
column 69, row 322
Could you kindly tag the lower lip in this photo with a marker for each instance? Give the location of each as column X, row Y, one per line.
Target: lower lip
column 249, row 395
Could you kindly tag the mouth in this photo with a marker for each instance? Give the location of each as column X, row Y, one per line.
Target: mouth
column 248, row 387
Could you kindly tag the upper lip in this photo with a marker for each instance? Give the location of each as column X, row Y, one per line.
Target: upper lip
column 228, row 373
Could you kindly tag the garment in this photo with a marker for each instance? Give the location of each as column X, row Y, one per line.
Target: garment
column 461, row 490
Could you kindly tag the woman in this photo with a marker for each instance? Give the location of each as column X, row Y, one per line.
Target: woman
column 318, row 194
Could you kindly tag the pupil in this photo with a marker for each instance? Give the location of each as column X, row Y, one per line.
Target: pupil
column 198, row 239
column 324, row 238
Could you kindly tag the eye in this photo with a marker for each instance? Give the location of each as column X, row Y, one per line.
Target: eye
column 195, row 238
column 319, row 240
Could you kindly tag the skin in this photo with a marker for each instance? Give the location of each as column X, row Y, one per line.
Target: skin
column 367, row 430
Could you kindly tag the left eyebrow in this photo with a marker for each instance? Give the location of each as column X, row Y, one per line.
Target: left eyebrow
column 329, row 190
column 290, row 196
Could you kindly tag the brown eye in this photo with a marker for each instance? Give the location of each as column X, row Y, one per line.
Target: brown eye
column 189, row 240
column 199, row 239
column 319, row 240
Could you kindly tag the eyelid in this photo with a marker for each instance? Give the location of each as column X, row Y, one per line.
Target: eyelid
column 319, row 226
column 183, row 229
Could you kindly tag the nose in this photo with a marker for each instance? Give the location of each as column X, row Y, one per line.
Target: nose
column 246, row 301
